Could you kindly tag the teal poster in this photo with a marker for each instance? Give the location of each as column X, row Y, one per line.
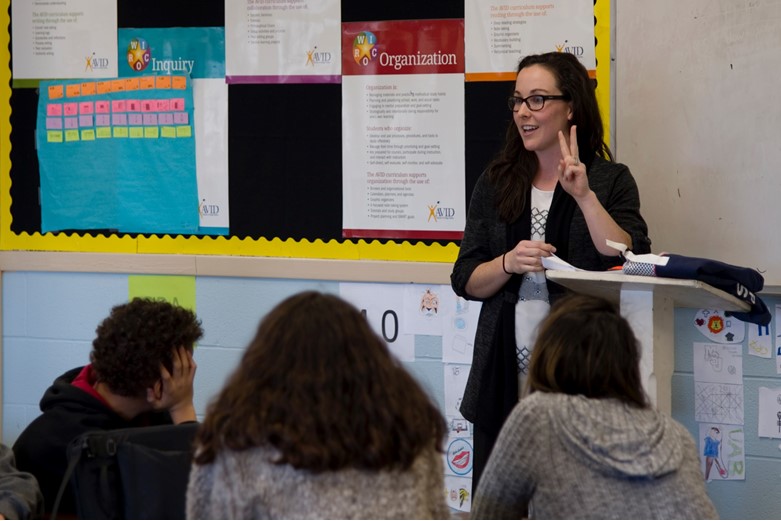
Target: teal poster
column 118, row 155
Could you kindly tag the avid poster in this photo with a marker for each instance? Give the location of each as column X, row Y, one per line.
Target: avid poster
column 403, row 129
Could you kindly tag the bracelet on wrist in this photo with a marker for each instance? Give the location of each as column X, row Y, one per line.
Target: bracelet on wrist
column 503, row 268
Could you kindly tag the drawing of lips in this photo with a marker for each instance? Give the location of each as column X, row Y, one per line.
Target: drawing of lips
column 461, row 460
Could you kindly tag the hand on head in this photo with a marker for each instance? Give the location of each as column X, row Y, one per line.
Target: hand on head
column 572, row 173
column 174, row 390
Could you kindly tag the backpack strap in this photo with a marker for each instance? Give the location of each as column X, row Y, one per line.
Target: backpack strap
column 74, row 456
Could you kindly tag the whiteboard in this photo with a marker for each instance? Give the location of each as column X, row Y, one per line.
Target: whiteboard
column 698, row 122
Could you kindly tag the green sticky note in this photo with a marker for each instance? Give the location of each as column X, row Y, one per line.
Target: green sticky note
column 88, row 134
column 184, row 131
column 103, row 132
column 151, row 132
column 71, row 135
column 120, row 132
column 176, row 289
column 136, row 132
column 54, row 136
column 168, row 131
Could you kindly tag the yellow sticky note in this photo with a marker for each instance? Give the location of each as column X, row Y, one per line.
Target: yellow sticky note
column 176, row 289
column 151, row 132
column 103, row 132
column 167, row 131
column 88, row 134
column 72, row 135
column 120, row 132
column 54, row 136
column 136, row 132
column 184, row 131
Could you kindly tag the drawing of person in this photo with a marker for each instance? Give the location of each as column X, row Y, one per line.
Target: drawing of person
column 429, row 302
column 712, row 453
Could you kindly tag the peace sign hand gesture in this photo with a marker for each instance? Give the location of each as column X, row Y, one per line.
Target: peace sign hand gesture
column 572, row 173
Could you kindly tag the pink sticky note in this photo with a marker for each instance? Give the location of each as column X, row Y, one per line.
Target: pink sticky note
column 86, row 107
column 70, row 109
column 177, row 104
column 118, row 105
column 102, row 107
column 54, row 109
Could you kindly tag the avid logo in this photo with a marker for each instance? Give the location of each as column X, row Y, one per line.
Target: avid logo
column 438, row 213
column 576, row 50
column 95, row 63
column 208, row 210
column 315, row 57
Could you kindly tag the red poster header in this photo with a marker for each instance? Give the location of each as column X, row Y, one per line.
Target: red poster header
column 403, row 47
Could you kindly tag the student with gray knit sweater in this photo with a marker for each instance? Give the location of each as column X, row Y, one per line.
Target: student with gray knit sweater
column 319, row 421
column 585, row 443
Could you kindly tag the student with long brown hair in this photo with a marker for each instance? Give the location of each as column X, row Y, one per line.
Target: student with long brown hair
column 586, row 443
column 319, row 420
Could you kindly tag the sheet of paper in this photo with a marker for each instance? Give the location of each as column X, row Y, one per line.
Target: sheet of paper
column 760, row 340
column 402, row 130
column 718, row 383
column 459, row 325
column 769, row 414
column 64, row 39
column 499, row 33
column 384, row 308
column 459, row 493
column 176, row 289
column 459, row 457
column 282, row 41
column 423, row 308
column 722, row 452
column 716, row 326
column 556, row 263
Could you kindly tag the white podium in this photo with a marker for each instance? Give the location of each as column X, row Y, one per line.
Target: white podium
column 648, row 304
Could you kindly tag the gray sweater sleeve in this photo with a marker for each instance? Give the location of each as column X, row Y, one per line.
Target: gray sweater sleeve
column 20, row 496
column 508, row 481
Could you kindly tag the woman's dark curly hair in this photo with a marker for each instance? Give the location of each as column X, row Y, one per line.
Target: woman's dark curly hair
column 320, row 386
column 136, row 338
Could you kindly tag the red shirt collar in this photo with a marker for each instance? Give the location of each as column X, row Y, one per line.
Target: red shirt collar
column 86, row 381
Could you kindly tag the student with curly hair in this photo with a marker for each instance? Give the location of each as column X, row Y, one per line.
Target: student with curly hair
column 141, row 374
column 585, row 443
column 318, row 421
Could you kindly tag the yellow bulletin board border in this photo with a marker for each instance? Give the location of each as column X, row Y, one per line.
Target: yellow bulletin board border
column 304, row 249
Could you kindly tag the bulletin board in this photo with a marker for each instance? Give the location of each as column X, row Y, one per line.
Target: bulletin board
column 698, row 114
column 285, row 153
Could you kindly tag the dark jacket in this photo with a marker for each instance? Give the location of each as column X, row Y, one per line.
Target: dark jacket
column 67, row 412
column 485, row 238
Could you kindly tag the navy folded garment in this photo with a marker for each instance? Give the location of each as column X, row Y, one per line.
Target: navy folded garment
column 741, row 282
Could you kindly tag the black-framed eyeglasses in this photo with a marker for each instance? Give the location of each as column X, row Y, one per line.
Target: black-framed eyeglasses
column 535, row 102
